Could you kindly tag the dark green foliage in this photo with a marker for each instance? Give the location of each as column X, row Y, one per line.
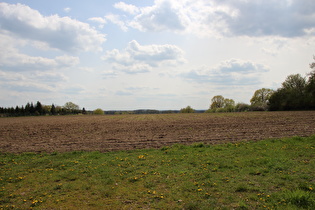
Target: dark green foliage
column 188, row 109
column 242, row 107
column 37, row 110
column 53, row 109
column 296, row 93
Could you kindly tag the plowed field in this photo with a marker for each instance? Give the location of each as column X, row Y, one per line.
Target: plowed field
column 124, row 132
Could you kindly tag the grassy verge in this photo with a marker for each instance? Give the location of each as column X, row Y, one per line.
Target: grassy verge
column 267, row 174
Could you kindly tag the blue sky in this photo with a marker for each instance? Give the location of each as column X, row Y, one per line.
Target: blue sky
column 123, row 55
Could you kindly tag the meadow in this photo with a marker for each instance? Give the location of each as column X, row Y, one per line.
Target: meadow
column 267, row 174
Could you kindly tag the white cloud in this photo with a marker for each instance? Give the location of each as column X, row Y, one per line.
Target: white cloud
column 73, row 90
column 116, row 20
column 11, row 57
column 159, row 17
column 11, row 76
column 61, row 33
column 27, row 87
column 129, row 8
column 22, row 62
column 132, row 68
column 272, row 18
column 34, row 82
column 66, row 61
column 136, row 58
column 101, row 21
column 281, row 18
column 229, row 72
column 67, row 9
column 48, row 77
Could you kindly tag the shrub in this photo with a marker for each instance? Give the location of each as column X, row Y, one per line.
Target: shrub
column 98, row 111
column 188, row 109
column 242, row 107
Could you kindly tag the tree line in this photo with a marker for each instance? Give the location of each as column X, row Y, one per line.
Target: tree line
column 296, row 93
column 37, row 109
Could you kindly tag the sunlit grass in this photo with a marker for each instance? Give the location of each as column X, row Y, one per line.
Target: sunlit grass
column 267, row 174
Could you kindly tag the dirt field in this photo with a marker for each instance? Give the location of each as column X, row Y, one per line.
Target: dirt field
column 123, row 132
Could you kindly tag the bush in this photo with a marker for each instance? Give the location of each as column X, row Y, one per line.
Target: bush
column 220, row 110
column 242, row 107
column 188, row 109
column 211, row 110
column 98, row 111
column 259, row 108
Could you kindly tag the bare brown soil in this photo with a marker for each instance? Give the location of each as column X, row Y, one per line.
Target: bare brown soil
column 124, row 132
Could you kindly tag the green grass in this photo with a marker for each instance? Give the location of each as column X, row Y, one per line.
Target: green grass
column 269, row 174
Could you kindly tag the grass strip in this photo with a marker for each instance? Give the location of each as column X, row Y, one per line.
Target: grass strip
column 268, row 174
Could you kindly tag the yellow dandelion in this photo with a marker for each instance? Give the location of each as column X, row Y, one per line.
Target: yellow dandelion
column 141, row 157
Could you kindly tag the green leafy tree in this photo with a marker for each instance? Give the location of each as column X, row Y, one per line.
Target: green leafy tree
column 217, row 102
column 188, row 109
column 229, row 105
column 291, row 96
column 261, row 98
column 221, row 104
column 295, row 82
column 71, row 107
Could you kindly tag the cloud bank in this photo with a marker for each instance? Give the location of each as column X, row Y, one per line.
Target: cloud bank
column 61, row 33
column 136, row 58
column 282, row 18
column 233, row 72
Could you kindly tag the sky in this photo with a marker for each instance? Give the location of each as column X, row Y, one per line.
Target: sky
column 150, row 54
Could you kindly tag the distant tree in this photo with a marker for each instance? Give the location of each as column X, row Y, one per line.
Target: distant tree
column 310, row 87
column 221, row 104
column 28, row 109
column 229, row 102
column 229, row 105
column 71, row 107
column 39, row 108
column 98, row 111
column 295, row 82
column 17, row 111
column 278, row 100
column 261, row 98
column 32, row 109
column 217, row 102
column 188, row 109
column 291, row 96
column 22, row 111
column 53, row 110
